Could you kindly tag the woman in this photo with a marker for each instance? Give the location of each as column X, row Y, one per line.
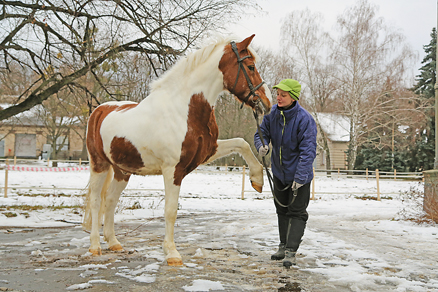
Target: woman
column 291, row 130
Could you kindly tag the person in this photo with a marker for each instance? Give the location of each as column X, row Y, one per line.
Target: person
column 291, row 131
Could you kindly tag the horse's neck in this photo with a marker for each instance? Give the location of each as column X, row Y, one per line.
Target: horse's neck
column 182, row 85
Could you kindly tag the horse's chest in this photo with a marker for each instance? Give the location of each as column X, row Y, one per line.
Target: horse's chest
column 200, row 142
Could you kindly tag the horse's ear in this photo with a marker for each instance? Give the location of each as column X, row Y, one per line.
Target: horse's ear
column 245, row 43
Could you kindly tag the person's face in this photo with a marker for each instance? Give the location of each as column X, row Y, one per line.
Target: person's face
column 283, row 98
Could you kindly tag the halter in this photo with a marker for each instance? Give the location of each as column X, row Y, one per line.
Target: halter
column 240, row 62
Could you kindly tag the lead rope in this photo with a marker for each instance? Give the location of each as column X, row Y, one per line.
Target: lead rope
column 269, row 175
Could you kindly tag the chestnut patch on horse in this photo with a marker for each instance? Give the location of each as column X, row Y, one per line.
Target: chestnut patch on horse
column 125, row 154
column 200, row 142
column 99, row 160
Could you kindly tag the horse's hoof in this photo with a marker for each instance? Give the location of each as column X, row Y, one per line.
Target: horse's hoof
column 116, row 247
column 257, row 187
column 96, row 252
column 175, row 262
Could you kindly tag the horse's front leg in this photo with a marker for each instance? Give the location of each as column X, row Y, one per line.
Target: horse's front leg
column 170, row 209
column 239, row 145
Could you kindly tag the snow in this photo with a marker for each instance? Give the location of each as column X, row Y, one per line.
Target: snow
column 336, row 254
column 336, row 126
column 204, row 285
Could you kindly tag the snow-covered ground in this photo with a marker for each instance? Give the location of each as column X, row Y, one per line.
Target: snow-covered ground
column 351, row 241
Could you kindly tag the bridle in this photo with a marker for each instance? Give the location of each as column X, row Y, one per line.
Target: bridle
column 253, row 94
column 242, row 67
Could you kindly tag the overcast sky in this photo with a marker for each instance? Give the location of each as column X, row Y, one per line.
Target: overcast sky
column 414, row 18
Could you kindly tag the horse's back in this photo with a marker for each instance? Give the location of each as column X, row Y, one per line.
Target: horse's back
column 137, row 139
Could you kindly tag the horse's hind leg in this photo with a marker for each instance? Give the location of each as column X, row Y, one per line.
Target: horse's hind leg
column 170, row 209
column 97, row 182
column 113, row 194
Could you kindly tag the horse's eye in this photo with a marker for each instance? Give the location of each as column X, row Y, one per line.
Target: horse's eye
column 251, row 67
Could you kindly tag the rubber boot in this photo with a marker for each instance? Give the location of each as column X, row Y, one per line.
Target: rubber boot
column 283, row 227
column 294, row 236
column 289, row 259
column 280, row 254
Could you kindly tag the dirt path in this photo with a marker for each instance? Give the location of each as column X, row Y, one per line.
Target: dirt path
column 221, row 251
column 54, row 259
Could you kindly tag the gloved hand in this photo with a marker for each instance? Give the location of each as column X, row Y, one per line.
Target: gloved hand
column 296, row 186
column 263, row 150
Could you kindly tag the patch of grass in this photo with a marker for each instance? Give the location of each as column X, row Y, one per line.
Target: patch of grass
column 134, row 206
column 22, row 207
column 48, row 195
column 10, row 214
column 64, row 207
column 373, row 198
column 38, row 207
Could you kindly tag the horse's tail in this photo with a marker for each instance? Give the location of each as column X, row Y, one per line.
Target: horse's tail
column 86, row 224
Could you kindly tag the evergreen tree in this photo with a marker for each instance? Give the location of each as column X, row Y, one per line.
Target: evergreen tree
column 422, row 155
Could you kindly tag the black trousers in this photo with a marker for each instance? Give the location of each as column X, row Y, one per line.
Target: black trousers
column 298, row 210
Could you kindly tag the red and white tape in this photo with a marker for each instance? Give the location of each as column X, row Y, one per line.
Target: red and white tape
column 52, row 169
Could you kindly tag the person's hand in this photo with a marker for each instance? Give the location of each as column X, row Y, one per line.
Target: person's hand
column 296, row 186
column 263, row 150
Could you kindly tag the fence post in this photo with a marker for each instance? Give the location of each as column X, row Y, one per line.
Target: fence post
column 243, row 183
column 15, row 160
column 378, row 187
column 367, row 173
column 395, row 174
column 6, row 178
column 80, row 161
column 313, row 185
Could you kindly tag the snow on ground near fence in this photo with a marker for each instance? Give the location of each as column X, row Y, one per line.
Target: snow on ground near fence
column 220, row 192
column 337, row 255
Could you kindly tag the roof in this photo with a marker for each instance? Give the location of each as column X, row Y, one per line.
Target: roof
column 336, row 126
column 26, row 118
column 33, row 117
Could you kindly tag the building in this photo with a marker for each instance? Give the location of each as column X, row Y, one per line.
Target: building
column 26, row 136
column 336, row 127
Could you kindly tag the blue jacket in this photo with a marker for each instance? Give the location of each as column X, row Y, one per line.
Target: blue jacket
column 292, row 133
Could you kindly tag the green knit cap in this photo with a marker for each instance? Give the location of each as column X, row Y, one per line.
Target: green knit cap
column 290, row 85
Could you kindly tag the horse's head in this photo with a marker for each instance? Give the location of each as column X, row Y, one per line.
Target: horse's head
column 241, row 77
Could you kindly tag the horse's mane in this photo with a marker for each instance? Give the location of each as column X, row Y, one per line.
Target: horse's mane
column 188, row 63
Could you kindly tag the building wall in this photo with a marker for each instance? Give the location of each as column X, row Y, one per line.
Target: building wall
column 338, row 156
column 8, row 133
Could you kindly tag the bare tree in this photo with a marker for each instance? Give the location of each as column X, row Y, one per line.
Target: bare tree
column 367, row 53
column 305, row 39
column 275, row 67
column 59, row 117
column 234, row 121
column 63, row 41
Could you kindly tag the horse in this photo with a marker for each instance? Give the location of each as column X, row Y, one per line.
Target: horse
column 170, row 133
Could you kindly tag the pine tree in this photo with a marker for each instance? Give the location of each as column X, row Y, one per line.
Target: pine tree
column 422, row 155
column 426, row 79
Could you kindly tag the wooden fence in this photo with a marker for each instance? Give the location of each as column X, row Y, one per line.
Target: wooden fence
column 361, row 174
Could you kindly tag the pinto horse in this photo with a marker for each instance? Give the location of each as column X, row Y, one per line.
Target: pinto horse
column 170, row 132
